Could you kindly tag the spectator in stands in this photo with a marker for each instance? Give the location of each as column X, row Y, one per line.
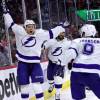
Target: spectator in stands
column 4, row 60
column 73, row 32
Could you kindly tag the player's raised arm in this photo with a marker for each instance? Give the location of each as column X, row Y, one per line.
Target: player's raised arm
column 9, row 23
column 7, row 17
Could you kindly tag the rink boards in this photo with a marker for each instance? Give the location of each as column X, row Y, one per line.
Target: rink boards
column 9, row 90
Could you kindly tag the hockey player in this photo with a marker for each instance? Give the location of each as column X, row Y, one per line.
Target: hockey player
column 29, row 41
column 86, row 66
column 55, row 71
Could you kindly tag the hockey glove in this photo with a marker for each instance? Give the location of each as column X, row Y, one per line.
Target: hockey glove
column 4, row 7
column 64, row 24
column 70, row 64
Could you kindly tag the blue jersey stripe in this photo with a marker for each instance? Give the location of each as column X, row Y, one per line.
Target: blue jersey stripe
column 11, row 25
column 86, row 66
column 28, row 57
column 51, row 34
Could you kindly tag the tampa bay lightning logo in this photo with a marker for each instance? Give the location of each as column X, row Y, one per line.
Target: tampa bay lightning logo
column 28, row 41
column 57, row 51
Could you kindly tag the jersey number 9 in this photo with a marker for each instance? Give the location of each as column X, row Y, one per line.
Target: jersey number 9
column 88, row 49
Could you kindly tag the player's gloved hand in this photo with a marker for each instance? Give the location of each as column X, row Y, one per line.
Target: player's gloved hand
column 70, row 64
column 4, row 7
column 65, row 24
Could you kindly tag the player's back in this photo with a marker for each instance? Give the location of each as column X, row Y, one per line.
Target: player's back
column 88, row 50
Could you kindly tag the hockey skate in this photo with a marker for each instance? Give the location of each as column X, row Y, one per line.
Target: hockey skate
column 57, row 96
column 51, row 88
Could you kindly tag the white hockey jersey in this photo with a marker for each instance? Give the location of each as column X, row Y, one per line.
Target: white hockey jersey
column 56, row 50
column 88, row 55
column 29, row 46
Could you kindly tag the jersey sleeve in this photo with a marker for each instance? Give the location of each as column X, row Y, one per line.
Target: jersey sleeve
column 50, row 34
column 70, row 53
column 17, row 29
column 67, row 56
column 8, row 20
column 75, row 46
column 48, row 44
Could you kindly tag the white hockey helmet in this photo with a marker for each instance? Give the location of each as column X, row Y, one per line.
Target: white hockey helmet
column 88, row 30
column 29, row 22
column 58, row 29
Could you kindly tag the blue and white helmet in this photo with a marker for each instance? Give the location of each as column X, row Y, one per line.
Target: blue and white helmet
column 88, row 30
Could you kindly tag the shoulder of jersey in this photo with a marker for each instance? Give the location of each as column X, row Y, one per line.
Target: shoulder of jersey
column 41, row 30
column 77, row 40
